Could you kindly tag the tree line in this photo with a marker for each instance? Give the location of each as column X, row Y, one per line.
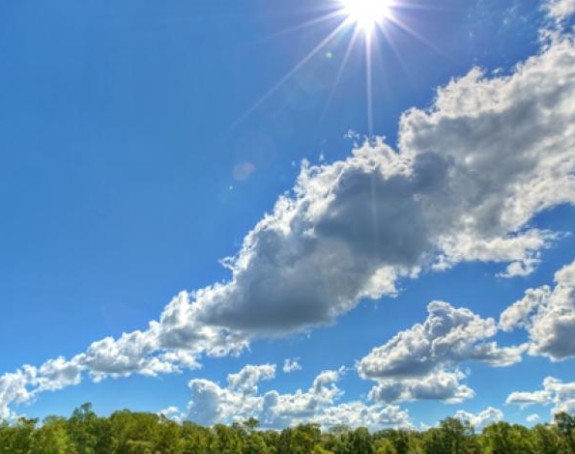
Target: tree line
column 126, row 432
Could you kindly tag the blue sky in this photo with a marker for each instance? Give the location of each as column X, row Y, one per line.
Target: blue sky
column 143, row 141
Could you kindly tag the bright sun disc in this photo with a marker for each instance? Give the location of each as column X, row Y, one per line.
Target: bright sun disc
column 366, row 13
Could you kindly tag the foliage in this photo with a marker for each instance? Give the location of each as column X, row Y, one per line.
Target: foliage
column 126, row 432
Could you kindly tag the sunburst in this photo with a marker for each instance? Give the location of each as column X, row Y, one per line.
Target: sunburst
column 365, row 18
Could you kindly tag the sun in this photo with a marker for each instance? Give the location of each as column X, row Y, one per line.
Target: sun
column 366, row 14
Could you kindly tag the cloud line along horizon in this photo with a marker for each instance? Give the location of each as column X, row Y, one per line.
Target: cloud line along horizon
column 464, row 183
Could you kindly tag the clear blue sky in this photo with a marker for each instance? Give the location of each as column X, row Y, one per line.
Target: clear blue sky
column 140, row 143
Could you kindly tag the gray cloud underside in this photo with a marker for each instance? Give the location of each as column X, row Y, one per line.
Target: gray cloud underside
column 468, row 176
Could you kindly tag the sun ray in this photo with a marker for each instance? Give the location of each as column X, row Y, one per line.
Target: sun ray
column 294, row 70
column 339, row 74
column 418, row 6
column 390, row 40
column 402, row 25
column 369, row 84
column 307, row 24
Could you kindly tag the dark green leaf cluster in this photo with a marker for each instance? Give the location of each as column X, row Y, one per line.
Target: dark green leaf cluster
column 127, row 432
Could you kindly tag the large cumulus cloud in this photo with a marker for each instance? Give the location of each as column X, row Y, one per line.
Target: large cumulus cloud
column 469, row 175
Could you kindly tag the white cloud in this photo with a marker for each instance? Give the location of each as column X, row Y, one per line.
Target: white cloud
column 358, row 414
column 521, row 268
column 533, row 418
column 525, row 399
column 289, row 409
column 172, row 413
column 469, row 175
column 13, row 390
column 291, row 365
column 559, row 10
column 554, row 392
column 421, row 363
column 436, row 385
column 58, row 373
column 247, row 379
column 27, row 382
column 179, row 327
column 518, row 314
column 132, row 352
column 211, row 404
column 548, row 315
column 481, row 420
